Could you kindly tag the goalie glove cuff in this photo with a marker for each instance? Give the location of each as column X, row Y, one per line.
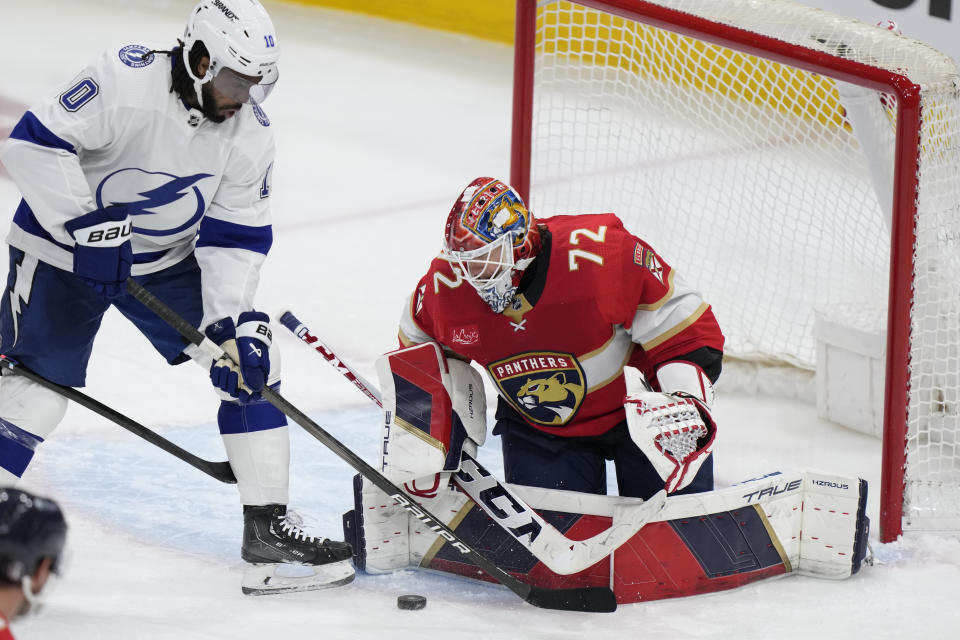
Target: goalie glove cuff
column 681, row 377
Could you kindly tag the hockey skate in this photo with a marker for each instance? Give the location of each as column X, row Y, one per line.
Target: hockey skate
column 283, row 558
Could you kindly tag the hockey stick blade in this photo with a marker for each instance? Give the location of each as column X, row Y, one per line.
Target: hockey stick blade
column 217, row 470
column 559, row 553
column 595, row 599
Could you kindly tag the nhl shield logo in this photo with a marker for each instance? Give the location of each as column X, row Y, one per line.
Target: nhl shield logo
column 546, row 387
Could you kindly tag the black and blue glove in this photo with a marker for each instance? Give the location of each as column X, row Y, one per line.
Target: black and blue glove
column 245, row 367
column 103, row 256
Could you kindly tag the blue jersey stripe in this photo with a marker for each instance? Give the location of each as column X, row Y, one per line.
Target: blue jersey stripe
column 30, row 129
column 229, row 235
column 25, row 219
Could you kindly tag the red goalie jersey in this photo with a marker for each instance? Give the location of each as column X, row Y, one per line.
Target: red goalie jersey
column 595, row 299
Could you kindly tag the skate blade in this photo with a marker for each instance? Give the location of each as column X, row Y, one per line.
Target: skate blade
column 273, row 578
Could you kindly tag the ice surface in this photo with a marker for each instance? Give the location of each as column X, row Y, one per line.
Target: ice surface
column 380, row 125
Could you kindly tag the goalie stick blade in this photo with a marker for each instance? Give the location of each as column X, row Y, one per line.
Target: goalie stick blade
column 591, row 599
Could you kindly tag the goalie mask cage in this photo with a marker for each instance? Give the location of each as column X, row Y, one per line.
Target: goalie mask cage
column 714, row 128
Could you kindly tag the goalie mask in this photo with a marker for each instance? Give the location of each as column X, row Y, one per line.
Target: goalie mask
column 241, row 42
column 488, row 237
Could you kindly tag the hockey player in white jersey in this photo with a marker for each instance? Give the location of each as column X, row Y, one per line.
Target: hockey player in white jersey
column 157, row 164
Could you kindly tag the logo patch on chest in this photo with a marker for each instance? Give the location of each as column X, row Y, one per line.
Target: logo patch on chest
column 547, row 387
column 465, row 335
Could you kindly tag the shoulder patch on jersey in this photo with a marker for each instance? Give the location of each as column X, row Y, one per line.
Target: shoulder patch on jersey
column 261, row 115
column 136, row 56
column 649, row 260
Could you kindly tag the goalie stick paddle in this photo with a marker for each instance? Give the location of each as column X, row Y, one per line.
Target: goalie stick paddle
column 594, row 599
column 559, row 553
column 217, row 470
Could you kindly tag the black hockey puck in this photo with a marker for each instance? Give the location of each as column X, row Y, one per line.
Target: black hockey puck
column 411, row 603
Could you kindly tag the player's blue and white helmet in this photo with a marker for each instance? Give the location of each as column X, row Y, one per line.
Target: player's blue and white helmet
column 243, row 47
column 488, row 237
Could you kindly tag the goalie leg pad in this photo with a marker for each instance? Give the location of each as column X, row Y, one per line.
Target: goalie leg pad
column 811, row 524
column 383, row 534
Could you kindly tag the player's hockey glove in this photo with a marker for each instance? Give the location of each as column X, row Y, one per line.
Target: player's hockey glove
column 245, row 367
column 674, row 430
column 102, row 256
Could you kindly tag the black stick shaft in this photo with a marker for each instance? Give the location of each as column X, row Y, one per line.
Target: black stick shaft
column 218, row 470
column 599, row 599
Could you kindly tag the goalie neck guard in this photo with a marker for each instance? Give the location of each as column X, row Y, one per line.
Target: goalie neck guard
column 488, row 237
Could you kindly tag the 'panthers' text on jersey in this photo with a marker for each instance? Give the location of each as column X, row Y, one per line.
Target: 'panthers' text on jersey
column 116, row 135
column 599, row 298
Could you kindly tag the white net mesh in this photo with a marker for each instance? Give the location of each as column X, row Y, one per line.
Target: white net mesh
column 747, row 175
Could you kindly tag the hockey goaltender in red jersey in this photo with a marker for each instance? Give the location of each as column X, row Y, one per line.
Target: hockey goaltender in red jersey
column 553, row 310
column 598, row 351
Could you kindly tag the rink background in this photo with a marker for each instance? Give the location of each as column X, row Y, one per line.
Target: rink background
column 379, row 126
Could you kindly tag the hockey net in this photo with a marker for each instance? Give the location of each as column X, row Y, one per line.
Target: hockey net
column 715, row 129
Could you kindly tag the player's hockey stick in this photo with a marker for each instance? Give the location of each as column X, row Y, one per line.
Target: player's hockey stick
column 597, row 599
column 559, row 553
column 218, row 470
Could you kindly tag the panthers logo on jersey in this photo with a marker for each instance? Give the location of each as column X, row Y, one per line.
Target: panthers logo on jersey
column 546, row 387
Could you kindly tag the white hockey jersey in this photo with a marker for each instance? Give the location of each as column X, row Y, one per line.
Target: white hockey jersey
column 116, row 134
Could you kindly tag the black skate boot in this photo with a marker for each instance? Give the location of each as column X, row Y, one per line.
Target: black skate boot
column 272, row 539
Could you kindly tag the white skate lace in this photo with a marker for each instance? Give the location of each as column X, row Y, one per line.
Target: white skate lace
column 290, row 525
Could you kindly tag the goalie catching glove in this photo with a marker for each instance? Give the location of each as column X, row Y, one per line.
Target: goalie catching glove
column 673, row 428
column 245, row 366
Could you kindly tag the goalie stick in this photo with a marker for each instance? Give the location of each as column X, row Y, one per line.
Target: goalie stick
column 217, row 470
column 559, row 553
column 595, row 599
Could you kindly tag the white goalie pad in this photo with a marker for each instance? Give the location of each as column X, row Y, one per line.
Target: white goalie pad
column 813, row 523
column 389, row 537
column 816, row 520
column 433, row 410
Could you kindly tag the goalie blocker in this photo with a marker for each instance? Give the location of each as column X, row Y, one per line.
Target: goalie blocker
column 805, row 522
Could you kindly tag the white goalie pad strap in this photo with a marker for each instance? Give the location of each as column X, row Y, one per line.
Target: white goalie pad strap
column 469, row 400
column 392, row 538
column 675, row 432
column 687, row 377
column 422, row 435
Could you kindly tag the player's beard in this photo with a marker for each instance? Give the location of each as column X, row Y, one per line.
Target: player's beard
column 210, row 108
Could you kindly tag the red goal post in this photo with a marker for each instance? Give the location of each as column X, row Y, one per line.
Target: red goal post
column 716, row 129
